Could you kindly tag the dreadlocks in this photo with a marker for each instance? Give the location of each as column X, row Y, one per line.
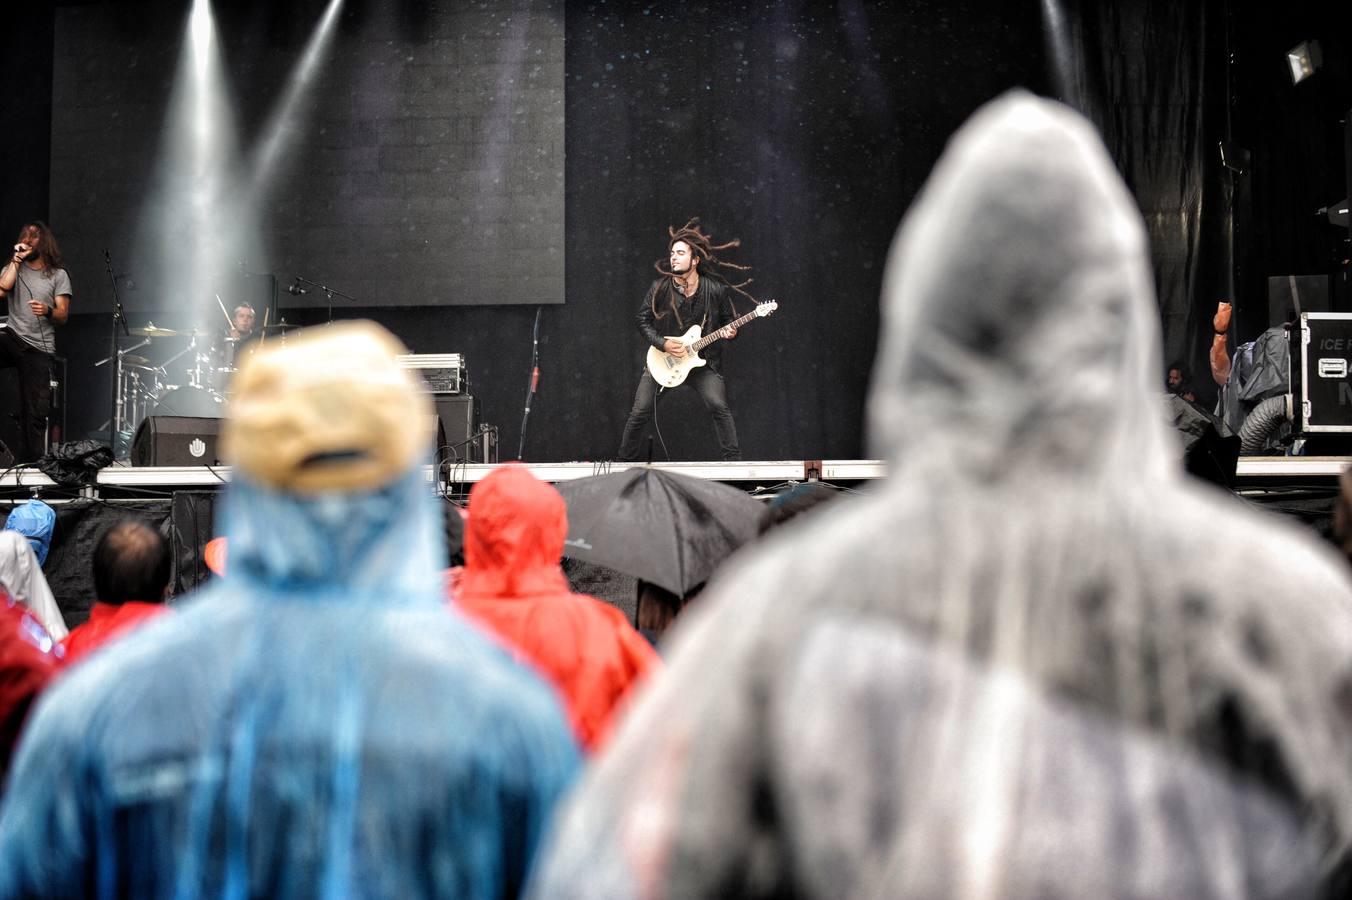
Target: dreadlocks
column 702, row 246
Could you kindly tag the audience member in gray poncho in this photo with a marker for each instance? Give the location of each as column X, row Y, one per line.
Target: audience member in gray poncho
column 1036, row 662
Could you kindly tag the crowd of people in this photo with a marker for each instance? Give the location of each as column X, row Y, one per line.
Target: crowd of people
column 1036, row 661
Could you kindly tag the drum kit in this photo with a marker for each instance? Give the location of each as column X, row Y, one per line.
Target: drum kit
column 195, row 381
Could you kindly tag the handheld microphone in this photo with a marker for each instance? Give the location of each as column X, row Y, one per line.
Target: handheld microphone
column 296, row 289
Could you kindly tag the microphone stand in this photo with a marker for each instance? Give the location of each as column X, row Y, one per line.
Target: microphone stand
column 329, row 292
column 534, row 382
column 115, row 395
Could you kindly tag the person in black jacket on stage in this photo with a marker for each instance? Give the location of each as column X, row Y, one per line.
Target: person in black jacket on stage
column 690, row 292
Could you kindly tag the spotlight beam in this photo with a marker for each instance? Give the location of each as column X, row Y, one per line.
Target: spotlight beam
column 283, row 122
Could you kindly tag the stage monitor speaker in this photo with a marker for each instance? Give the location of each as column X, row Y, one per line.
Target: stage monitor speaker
column 176, row 441
column 458, row 427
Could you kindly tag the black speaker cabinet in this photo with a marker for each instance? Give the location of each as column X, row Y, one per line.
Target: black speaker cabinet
column 176, row 441
column 459, row 424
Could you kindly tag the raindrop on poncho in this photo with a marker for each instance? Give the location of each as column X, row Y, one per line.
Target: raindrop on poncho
column 1035, row 662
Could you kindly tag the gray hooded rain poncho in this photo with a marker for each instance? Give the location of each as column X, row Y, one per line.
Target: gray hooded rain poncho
column 1036, row 662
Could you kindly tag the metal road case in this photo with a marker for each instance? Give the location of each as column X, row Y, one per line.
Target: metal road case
column 1321, row 374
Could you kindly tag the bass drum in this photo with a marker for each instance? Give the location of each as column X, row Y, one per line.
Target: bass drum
column 192, row 401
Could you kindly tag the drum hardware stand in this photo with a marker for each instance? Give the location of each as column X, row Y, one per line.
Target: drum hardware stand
column 195, row 373
column 114, row 354
column 118, row 432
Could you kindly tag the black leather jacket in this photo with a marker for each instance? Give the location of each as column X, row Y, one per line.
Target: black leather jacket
column 710, row 308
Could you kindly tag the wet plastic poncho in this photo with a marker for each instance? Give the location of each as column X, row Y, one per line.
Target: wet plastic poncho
column 1035, row 662
column 21, row 575
column 36, row 521
column 316, row 724
column 513, row 585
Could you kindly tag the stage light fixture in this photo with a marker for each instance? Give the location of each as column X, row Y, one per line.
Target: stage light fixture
column 1304, row 60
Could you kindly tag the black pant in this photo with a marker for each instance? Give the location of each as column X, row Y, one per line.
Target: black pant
column 35, row 393
column 709, row 385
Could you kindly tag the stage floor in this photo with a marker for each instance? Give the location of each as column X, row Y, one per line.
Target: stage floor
column 124, row 481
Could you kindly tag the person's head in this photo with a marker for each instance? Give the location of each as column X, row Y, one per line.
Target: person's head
column 970, row 373
column 683, row 258
column 131, row 562
column 328, row 435
column 514, row 534
column 244, row 317
column 331, row 411
column 794, row 502
column 39, row 237
column 36, row 521
column 1175, row 377
column 689, row 247
column 656, row 608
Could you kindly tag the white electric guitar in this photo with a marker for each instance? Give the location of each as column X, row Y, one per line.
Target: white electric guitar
column 669, row 371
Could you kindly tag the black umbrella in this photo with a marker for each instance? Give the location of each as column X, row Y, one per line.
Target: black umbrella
column 669, row 529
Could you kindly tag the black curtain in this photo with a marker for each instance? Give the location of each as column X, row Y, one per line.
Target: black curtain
column 1153, row 76
column 1298, row 148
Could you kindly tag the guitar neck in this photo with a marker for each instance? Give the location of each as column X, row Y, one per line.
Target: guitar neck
column 714, row 335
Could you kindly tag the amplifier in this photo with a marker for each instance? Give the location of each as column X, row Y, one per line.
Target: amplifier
column 444, row 373
column 460, row 437
column 1321, row 373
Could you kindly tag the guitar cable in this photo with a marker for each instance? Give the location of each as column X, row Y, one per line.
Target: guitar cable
column 656, row 428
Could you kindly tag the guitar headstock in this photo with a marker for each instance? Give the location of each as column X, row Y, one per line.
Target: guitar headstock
column 764, row 309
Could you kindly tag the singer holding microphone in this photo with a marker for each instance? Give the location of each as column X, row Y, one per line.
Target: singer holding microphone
column 38, row 292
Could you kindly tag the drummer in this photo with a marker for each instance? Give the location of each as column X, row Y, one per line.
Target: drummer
column 242, row 335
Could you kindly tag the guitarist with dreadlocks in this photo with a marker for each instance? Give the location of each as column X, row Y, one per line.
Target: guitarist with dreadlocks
column 689, row 292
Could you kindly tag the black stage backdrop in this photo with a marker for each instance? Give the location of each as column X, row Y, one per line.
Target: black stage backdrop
column 805, row 131
column 1168, row 84
column 1299, row 158
column 1152, row 76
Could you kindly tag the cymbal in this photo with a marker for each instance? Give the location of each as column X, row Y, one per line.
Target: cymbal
column 280, row 326
column 131, row 360
column 153, row 331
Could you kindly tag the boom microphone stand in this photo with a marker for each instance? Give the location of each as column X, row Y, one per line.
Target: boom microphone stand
column 297, row 288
